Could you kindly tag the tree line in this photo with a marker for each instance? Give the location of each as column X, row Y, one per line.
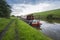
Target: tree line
column 5, row 9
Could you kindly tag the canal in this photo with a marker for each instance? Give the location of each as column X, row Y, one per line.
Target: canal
column 51, row 29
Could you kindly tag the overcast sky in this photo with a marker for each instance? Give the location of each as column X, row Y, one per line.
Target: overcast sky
column 23, row 7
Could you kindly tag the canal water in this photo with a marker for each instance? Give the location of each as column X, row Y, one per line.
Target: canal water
column 51, row 29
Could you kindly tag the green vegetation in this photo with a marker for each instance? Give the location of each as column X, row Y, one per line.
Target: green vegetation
column 24, row 32
column 3, row 23
column 10, row 34
column 43, row 15
column 5, row 9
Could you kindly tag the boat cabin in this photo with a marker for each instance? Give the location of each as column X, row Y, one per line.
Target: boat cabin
column 30, row 17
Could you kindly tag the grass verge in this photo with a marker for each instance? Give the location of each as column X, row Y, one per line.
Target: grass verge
column 26, row 32
column 10, row 34
column 3, row 23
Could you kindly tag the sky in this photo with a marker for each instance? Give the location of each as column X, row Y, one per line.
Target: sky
column 24, row 7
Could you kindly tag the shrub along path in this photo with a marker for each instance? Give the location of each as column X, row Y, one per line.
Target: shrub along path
column 2, row 33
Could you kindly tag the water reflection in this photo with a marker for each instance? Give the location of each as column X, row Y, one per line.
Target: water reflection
column 52, row 21
column 51, row 28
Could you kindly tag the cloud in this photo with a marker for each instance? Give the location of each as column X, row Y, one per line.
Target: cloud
column 30, row 1
column 23, row 9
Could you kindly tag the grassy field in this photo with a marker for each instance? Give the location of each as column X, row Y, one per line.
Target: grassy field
column 24, row 32
column 10, row 33
column 3, row 23
column 55, row 13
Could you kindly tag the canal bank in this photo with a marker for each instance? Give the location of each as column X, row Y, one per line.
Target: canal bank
column 26, row 32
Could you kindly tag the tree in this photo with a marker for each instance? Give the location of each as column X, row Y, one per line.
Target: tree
column 5, row 9
column 50, row 16
column 12, row 16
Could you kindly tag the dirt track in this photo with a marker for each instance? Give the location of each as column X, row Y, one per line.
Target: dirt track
column 5, row 29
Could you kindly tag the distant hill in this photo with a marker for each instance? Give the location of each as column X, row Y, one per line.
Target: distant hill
column 55, row 13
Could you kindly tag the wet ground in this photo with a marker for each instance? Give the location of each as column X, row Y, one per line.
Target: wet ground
column 51, row 29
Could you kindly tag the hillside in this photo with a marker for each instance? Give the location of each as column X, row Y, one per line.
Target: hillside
column 55, row 13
